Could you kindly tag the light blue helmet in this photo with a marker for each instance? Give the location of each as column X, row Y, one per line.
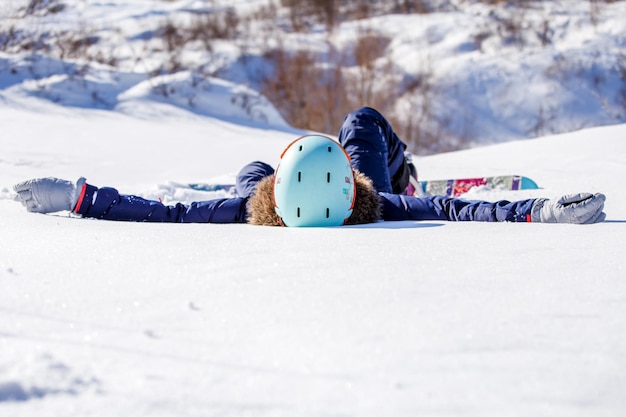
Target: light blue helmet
column 314, row 184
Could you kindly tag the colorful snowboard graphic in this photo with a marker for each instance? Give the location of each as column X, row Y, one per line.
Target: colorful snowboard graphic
column 460, row 186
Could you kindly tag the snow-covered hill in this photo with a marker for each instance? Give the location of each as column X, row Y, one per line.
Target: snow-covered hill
column 108, row 319
column 390, row 319
column 468, row 74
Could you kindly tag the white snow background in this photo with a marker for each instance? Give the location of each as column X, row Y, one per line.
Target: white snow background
column 390, row 319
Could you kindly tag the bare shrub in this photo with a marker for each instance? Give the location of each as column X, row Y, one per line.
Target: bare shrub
column 72, row 45
column 266, row 12
column 333, row 100
column 544, row 119
column 8, row 38
column 412, row 6
column 305, row 13
column 369, row 47
column 545, row 32
column 595, row 10
column 300, row 14
column 417, row 123
column 294, row 87
column 174, row 40
column 218, row 24
column 22, row 41
column 316, row 96
column 328, row 11
column 511, row 26
column 622, row 93
column 205, row 28
column 480, row 37
column 43, row 7
column 515, row 27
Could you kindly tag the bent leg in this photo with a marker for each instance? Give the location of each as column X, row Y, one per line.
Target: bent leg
column 249, row 176
column 375, row 149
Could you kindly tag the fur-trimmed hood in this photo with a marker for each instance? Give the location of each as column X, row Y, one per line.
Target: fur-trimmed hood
column 367, row 205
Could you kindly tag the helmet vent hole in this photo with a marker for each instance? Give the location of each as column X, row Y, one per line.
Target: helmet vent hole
column 300, row 149
column 298, row 212
column 330, row 149
column 299, row 176
column 327, row 213
column 328, row 177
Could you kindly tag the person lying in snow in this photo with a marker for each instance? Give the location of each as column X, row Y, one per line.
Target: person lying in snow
column 362, row 179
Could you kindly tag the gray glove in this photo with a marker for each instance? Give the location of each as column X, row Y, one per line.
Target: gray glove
column 47, row 195
column 581, row 208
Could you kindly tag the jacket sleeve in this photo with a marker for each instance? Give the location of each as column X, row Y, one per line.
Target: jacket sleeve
column 402, row 207
column 108, row 204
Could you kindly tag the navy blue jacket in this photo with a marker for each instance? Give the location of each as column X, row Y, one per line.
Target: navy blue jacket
column 107, row 203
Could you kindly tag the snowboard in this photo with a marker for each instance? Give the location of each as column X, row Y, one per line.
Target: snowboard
column 459, row 186
column 451, row 187
column 230, row 188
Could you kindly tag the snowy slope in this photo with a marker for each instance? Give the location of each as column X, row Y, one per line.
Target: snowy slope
column 474, row 74
column 390, row 319
column 401, row 319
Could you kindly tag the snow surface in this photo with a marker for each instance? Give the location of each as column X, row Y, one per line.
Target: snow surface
column 390, row 319
column 396, row 318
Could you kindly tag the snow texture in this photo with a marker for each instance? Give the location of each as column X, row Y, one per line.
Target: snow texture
column 389, row 319
column 104, row 318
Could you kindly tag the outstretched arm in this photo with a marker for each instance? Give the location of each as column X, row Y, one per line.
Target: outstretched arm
column 48, row 195
column 582, row 208
column 106, row 203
